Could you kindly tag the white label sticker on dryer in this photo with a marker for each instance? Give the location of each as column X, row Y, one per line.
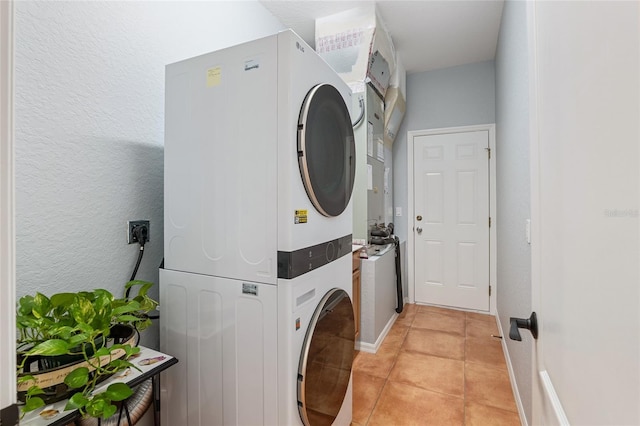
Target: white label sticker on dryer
column 251, row 289
column 251, row 64
column 213, row 76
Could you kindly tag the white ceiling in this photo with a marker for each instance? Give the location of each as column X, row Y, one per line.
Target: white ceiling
column 427, row 34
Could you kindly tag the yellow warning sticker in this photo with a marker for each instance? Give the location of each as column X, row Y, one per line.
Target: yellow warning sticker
column 213, row 76
column 300, row 216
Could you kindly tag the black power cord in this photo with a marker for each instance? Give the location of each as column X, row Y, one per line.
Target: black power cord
column 141, row 233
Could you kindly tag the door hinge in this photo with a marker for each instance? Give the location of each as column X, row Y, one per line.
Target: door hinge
column 488, row 152
column 9, row 416
column 489, row 290
column 489, row 221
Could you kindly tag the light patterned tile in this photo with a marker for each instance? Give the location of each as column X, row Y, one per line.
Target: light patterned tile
column 486, row 385
column 440, row 322
column 485, row 351
column 378, row 365
column 481, row 328
column 435, row 343
column 407, row 315
column 394, row 339
column 448, row 371
column 481, row 317
column 441, row 310
column 406, row 405
column 429, row 372
column 483, row 415
column 366, row 390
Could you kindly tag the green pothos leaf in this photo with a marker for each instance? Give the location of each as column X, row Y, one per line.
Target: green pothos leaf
column 96, row 407
column 118, row 365
column 77, row 378
column 129, row 307
column 103, row 351
column 118, row 391
column 127, row 318
column 109, row 411
column 41, row 305
column 62, row 299
column 22, row 379
column 50, row 347
column 32, row 404
column 82, row 310
column 76, row 339
column 34, row 390
column 78, row 400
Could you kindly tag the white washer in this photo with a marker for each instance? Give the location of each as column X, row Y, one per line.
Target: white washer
column 234, row 198
column 240, row 346
column 251, row 248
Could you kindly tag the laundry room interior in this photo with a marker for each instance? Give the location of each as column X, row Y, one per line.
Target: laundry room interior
column 337, row 211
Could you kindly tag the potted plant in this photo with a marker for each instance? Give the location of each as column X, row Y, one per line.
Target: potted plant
column 69, row 342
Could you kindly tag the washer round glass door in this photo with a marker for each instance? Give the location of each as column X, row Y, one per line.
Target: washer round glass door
column 326, row 150
column 326, row 359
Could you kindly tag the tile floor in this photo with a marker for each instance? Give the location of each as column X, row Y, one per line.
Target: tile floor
column 435, row 367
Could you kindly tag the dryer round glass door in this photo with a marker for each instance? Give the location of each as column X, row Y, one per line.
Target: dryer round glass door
column 326, row 150
column 325, row 363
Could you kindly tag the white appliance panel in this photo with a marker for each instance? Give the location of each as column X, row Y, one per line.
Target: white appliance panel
column 174, row 335
column 300, row 69
column 236, row 349
column 229, row 209
column 230, row 353
column 221, row 159
column 297, row 300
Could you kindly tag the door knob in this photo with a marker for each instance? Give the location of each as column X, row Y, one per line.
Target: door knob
column 418, row 217
column 530, row 324
column 419, row 230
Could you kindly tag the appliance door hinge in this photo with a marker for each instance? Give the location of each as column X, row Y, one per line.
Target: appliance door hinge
column 488, row 153
column 489, row 221
column 489, row 290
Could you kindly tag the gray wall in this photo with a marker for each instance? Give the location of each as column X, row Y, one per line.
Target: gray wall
column 513, row 188
column 450, row 97
column 89, row 111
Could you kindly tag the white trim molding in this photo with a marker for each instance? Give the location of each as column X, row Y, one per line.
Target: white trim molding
column 493, row 252
column 512, row 376
column 372, row 348
column 553, row 400
column 7, row 217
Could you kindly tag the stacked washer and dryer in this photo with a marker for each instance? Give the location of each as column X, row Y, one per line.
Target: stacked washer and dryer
column 256, row 286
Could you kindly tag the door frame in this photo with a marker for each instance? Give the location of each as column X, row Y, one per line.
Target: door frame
column 7, row 218
column 491, row 128
column 545, row 391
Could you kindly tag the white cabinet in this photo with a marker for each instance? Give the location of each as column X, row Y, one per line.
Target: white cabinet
column 378, row 299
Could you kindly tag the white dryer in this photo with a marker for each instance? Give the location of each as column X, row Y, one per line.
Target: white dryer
column 256, row 286
column 259, row 161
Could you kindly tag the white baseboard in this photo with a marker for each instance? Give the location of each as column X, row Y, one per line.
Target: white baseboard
column 373, row 347
column 553, row 400
column 512, row 377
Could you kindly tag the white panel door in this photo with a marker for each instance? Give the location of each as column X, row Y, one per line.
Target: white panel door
column 451, row 219
column 585, row 200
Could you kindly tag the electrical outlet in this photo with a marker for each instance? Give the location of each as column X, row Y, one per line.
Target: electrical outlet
column 131, row 224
